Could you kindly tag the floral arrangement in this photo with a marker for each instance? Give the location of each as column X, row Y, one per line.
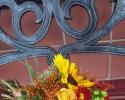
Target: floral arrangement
column 63, row 81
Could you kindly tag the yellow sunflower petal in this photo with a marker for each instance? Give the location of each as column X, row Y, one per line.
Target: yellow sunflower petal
column 73, row 70
column 86, row 83
column 58, row 61
column 64, row 79
column 79, row 78
column 72, row 87
column 62, row 65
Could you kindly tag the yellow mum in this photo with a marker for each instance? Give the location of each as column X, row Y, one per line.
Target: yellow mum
column 66, row 94
column 70, row 70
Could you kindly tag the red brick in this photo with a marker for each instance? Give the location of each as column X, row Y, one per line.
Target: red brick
column 118, row 66
column 96, row 64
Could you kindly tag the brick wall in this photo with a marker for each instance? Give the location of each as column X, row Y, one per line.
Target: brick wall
column 102, row 66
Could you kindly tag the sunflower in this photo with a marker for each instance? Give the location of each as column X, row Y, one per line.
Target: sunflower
column 70, row 73
column 63, row 66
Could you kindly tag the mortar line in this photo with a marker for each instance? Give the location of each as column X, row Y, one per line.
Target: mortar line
column 116, row 40
column 110, row 56
column 116, row 97
column 64, row 38
column 112, row 78
column 56, row 46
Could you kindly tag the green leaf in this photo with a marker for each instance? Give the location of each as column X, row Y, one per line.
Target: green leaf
column 36, row 62
column 36, row 98
column 8, row 85
column 5, row 96
column 31, row 72
column 22, row 98
column 46, row 73
column 38, row 94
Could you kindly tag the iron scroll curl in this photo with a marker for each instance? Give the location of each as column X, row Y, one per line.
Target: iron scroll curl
column 87, row 40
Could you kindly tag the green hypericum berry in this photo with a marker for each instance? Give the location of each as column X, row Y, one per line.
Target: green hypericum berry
column 97, row 98
column 96, row 92
column 102, row 98
column 104, row 93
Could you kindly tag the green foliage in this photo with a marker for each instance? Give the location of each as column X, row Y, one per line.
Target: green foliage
column 8, row 85
column 31, row 72
column 46, row 73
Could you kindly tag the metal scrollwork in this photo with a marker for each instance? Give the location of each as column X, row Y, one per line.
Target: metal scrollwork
column 87, row 40
column 62, row 13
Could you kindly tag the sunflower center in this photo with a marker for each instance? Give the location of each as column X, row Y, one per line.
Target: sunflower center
column 72, row 80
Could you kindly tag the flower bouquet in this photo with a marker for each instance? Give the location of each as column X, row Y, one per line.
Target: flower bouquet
column 63, row 81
